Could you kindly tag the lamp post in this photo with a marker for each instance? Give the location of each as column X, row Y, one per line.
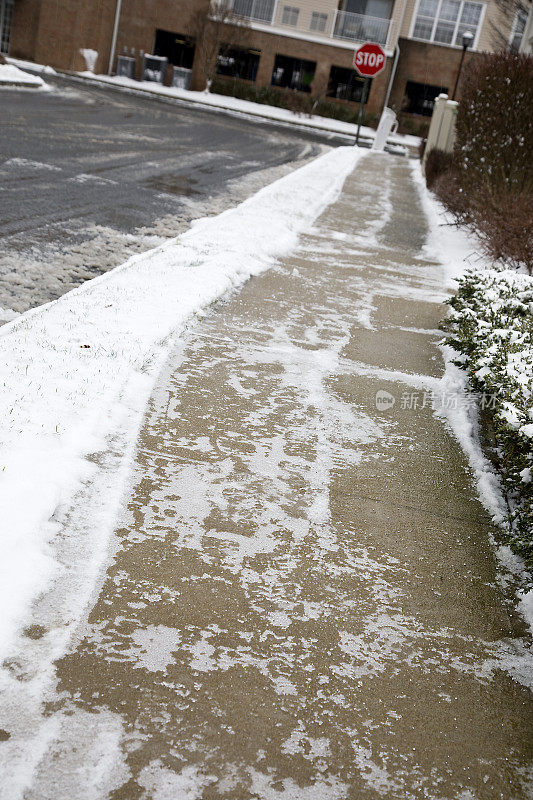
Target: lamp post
column 468, row 38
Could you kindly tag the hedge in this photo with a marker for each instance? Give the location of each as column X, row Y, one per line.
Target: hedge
column 491, row 326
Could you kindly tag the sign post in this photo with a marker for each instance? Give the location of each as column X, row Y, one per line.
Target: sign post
column 369, row 60
column 364, row 97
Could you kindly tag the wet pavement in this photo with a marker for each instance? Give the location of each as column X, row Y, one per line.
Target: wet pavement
column 91, row 176
column 304, row 603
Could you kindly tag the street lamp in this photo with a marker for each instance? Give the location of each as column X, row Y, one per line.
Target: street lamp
column 468, row 38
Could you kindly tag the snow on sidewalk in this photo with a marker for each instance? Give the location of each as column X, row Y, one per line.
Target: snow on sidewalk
column 68, row 365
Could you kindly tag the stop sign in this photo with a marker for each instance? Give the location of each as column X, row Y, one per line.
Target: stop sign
column 369, row 59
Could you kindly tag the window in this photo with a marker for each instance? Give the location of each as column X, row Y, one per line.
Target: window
column 6, row 19
column 345, row 84
column 318, row 21
column 290, row 16
column 420, row 98
column 445, row 21
column 369, row 8
column 177, row 48
column 293, row 73
column 236, row 62
column 517, row 33
column 260, row 10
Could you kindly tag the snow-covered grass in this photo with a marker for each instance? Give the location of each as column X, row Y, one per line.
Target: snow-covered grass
column 491, row 326
column 69, row 365
column 10, row 76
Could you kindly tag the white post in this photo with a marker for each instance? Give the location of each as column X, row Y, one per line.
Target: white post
column 335, row 15
column 114, row 38
column 441, row 135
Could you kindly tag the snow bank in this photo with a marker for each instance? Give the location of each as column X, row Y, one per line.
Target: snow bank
column 67, row 365
column 456, row 249
column 12, row 76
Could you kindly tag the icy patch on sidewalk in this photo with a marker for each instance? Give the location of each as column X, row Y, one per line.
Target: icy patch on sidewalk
column 162, row 783
column 101, row 767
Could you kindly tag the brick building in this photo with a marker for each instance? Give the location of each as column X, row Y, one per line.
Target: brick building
column 306, row 45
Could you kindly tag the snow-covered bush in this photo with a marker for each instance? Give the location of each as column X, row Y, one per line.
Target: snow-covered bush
column 491, row 326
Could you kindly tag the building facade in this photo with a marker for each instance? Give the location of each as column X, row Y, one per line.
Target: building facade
column 303, row 45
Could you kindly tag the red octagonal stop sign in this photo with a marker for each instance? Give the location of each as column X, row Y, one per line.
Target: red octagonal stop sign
column 369, row 59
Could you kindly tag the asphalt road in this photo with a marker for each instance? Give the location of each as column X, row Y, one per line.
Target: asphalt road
column 89, row 176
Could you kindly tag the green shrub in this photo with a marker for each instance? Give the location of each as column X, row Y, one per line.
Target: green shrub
column 491, row 325
column 298, row 102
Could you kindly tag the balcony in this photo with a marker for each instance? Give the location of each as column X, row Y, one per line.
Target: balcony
column 255, row 10
column 345, row 25
column 360, row 27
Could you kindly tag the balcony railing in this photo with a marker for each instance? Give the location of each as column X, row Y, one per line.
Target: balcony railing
column 256, row 10
column 360, row 27
column 346, row 25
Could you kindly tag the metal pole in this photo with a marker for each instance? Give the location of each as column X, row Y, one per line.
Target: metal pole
column 392, row 75
column 364, row 97
column 114, row 38
column 459, row 71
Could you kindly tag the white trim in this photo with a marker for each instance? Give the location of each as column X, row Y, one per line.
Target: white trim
column 514, row 27
column 334, row 23
column 479, row 27
column 413, row 20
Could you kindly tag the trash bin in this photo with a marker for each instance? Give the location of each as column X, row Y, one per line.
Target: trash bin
column 155, row 69
column 126, row 67
column 181, row 77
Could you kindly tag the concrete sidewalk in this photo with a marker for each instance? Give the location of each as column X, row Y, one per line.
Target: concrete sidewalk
column 304, row 603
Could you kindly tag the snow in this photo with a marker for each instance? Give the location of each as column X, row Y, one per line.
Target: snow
column 76, row 368
column 11, row 75
column 162, row 783
column 456, row 249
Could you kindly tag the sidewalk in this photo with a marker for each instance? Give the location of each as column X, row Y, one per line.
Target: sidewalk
column 304, row 603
